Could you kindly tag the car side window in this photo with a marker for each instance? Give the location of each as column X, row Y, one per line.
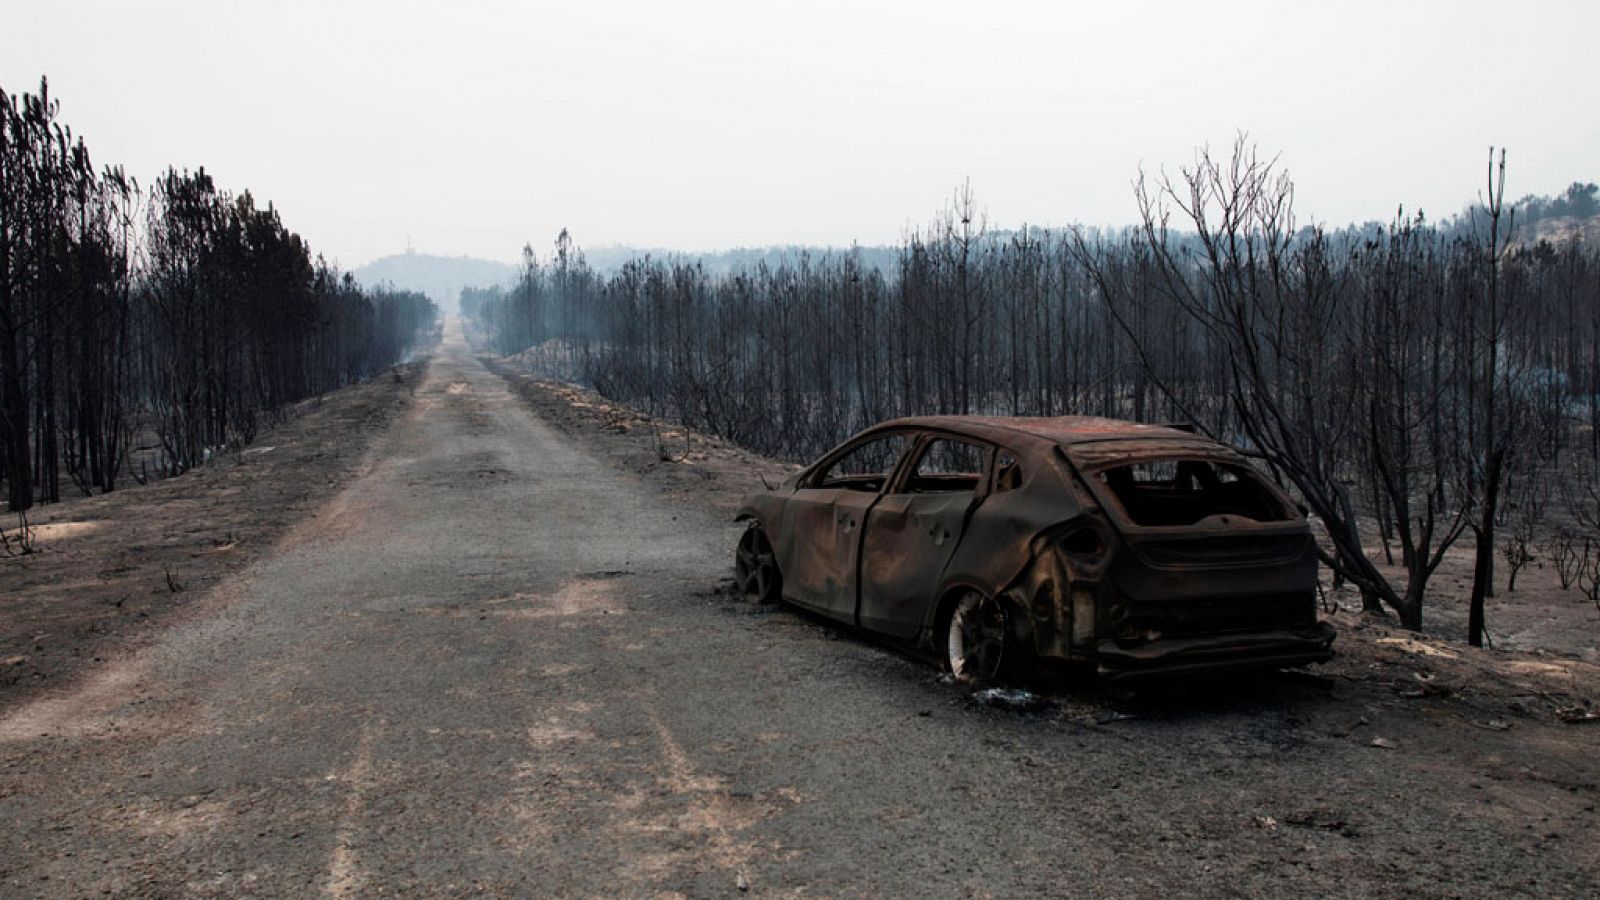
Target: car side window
column 948, row 466
column 865, row 467
column 1007, row 471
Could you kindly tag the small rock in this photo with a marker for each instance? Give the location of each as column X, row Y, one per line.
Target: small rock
column 1384, row 743
column 742, row 884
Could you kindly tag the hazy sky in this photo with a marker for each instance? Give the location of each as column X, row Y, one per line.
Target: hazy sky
column 475, row 127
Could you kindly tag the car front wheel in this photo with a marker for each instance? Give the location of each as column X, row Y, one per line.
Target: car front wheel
column 756, row 568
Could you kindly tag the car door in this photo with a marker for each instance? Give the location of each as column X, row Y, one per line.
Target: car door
column 913, row 530
column 825, row 517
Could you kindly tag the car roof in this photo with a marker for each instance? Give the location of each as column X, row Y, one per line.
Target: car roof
column 1065, row 430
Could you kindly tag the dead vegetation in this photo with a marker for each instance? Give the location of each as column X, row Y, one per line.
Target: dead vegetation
column 147, row 330
column 17, row 540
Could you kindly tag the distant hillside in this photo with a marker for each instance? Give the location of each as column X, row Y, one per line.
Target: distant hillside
column 1560, row 229
column 611, row 257
column 440, row 277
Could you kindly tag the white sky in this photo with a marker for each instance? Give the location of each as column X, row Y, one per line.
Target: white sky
column 474, row 127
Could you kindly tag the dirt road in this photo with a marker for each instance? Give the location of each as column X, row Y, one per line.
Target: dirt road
column 499, row 664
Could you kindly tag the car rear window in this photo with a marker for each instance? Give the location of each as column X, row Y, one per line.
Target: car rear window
column 1177, row 492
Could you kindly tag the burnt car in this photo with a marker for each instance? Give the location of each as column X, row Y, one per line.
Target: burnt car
column 995, row 543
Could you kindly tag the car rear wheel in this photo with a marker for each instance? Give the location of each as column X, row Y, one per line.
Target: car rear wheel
column 756, row 568
column 975, row 639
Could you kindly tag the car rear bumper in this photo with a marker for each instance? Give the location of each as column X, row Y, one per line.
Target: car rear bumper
column 1276, row 649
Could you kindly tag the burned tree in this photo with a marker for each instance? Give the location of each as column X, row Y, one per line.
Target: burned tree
column 228, row 320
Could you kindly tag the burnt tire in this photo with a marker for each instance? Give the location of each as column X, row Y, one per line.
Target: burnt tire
column 755, row 568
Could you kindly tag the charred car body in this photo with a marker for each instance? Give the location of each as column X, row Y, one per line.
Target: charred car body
column 998, row 542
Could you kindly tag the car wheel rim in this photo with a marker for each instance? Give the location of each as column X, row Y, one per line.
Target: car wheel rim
column 976, row 644
column 756, row 568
